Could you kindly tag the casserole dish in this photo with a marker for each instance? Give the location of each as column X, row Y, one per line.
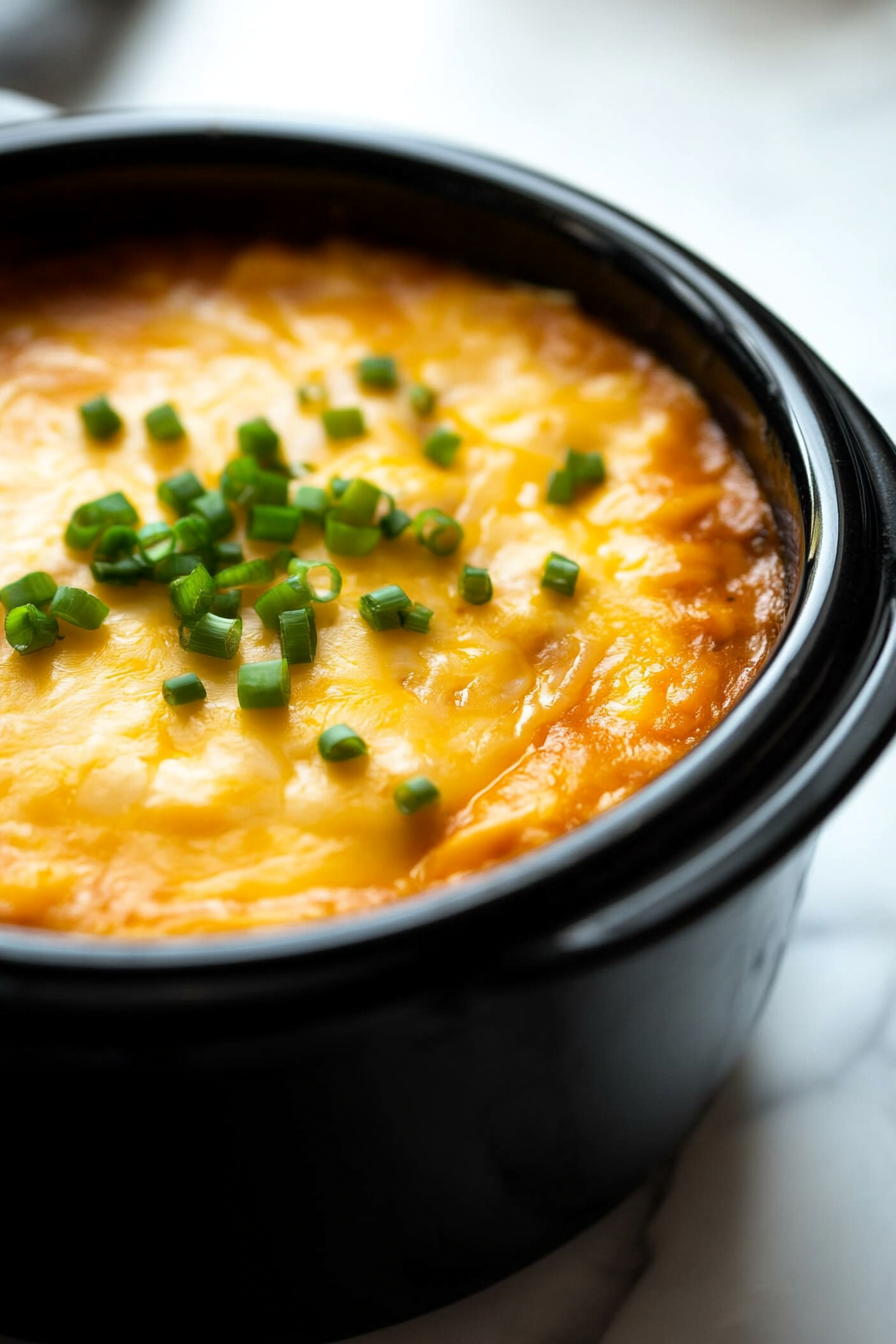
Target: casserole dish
column 306, row 1134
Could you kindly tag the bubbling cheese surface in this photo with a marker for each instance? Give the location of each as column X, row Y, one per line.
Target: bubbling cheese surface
column 120, row 815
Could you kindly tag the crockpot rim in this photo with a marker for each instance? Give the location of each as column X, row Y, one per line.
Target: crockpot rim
column 759, row 332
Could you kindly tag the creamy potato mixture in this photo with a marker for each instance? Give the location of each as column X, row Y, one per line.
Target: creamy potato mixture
column 524, row 713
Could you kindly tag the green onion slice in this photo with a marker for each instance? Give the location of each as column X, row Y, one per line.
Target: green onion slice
column 561, row 487
column 192, row 594
column 422, row 399
column 394, row 523
column 125, row 573
column 192, row 534
column 227, row 604
column 164, row 423
column 586, row 468
column 303, row 568
column 35, row 589
column 359, row 503
column 344, row 422
column 78, row 608
column 101, row 420
column 215, row 636
column 116, row 543
column 378, row 373
column 227, row 553
column 560, row 574
column 339, row 485
column 298, row 635
column 183, row 690
column 341, row 743
column 155, row 540
column 258, row 438
column 174, row 566
column 250, row 571
column 414, row 794
column 213, row 507
column 290, row 595
column 346, row 539
column 238, row 478
column 313, row 503
column 382, row 608
column 438, row 531
column 180, row 491
column 264, row 685
column 273, row 522
column 475, row 585
column 282, row 558
column 441, row 446
column 417, row 618
column 89, row 520
column 29, row 629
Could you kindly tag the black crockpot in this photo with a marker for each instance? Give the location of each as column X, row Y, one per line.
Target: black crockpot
column 306, row 1134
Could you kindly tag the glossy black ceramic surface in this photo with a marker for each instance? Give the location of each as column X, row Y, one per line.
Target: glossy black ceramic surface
column 303, row 1135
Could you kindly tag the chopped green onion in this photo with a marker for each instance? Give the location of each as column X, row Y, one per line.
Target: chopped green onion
column 346, row 422
column 156, row 540
column 192, row 534
column 264, row 685
column 164, row 424
column 227, row 553
column 561, row 487
column 394, row 523
column 586, row 468
column 382, row 608
column 29, row 629
column 438, row 531
column 213, row 507
column 341, row 743
column 441, row 446
column 560, row 574
column 298, row 635
column 422, row 399
column 78, row 608
column 273, row 522
column 89, row 520
column 338, row 486
column 287, row 596
column 174, row 566
column 192, row 594
column 313, row 503
column 475, row 585
column 414, row 794
column 116, row 543
column 250, row 571
column 302, row 568
column 35, row 589
column 312, row 395
column 215, row 636
column 258, row 438
column 101, row 420
column 179, row 492
column 270, row 488
column 379, row 373
column 125, row 573
column 238, row 478
column 227, row 603
column 417, row 618
column 358, row 503
column 345, row 539
column 183, row 690
column 282, row 558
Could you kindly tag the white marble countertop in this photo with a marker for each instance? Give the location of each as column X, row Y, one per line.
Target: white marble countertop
column 763, row 134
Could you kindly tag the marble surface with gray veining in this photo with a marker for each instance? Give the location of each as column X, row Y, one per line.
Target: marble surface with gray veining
column 763, row 134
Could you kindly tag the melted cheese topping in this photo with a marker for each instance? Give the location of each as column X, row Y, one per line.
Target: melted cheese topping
column 120, row 815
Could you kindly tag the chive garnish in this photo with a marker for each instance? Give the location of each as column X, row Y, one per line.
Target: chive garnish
column 560, row 574
column 258, row 438
column 298, row 635
column 441, row 446
column 215, row 636
column 273, row 522
column 125, row 573
column 116, row 543
column 586, row 468
column 213, row 507
column 287, row 596
column 89, row 520
column 270, row 488
column 29, row 629
column 561, row 487
column 183, row 690
column 417, row 617
column 346, row 539
column 394, row 523
column 227, row 553
column 378, row 373
column 35, row 589
column 179, row 492
column 341, row 743
column 438, row 531
column 101, row 420
column 78, row 608
column 339, row 485
column 358, row 503
column 164, row 423
column 311, row 396
column 192, row 534
column 312, row 503
column 422, row 399
column 155, row 540
column 382, row 608
column 475, row 585
column 264, row 685
column 344, row 422
column 173, row 566
column 238, row 478
column 250, row 571
column 282, row 558
column 227, row 603
column 414, row 794
column 192, row 594
column 302, row 569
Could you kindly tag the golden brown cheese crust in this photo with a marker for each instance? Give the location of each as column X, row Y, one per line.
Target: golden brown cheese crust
column 120, row 815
